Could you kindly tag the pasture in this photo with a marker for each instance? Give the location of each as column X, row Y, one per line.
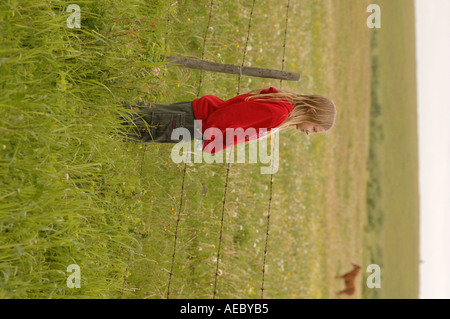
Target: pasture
column 74, row 193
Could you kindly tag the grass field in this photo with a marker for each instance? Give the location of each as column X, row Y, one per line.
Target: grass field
column 74, row 193
column 394, row 145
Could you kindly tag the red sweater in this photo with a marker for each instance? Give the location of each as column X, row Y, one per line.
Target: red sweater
column 237, row 113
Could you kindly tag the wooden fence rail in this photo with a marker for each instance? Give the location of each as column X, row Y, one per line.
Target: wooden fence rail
column 233, row 69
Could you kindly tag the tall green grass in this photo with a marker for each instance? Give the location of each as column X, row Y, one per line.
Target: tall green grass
column 73, row 193
column 70, row 188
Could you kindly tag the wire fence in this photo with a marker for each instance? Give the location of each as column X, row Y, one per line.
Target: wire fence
column 219, row 248
column 187, row 154
column 271, row 175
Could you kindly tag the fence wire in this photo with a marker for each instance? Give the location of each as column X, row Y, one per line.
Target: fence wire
column 228, row 166
column 187, row 154
column 271, row 175
column 229, row 154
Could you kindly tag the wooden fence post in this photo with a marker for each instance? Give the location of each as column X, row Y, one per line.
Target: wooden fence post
column 233, row 69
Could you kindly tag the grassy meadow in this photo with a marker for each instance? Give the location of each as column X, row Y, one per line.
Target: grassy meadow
column 72, row 192
column 393, row 161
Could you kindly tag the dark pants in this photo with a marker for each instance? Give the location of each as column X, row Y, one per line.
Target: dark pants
column 155, row 122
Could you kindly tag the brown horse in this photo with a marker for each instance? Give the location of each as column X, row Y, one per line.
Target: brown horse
column 349, row 279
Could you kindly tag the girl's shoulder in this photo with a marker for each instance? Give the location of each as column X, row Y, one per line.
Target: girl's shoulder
column 269, row 90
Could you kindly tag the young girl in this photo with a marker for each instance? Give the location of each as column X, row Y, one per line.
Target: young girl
column 208, row 116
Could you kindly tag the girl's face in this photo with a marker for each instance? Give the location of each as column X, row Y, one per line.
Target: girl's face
column 309, row 128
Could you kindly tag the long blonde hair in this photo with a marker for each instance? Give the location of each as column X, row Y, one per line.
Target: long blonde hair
column 314, row 109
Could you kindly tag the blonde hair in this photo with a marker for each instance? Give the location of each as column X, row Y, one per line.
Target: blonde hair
column 313, row 109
